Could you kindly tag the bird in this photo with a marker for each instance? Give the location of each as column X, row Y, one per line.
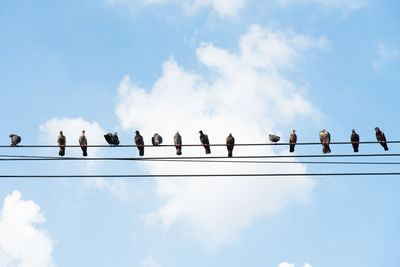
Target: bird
column 292, row 140
column 140, row 143
column 380, row 136
column 355, row 140
column 206, row 143
column 15, row 139
column 230, row 143
column 274, row 138
column 156, row 140
column 112, row 139
column 83, row 143
column 178, row 143
column 61, row 140
column 325, row 138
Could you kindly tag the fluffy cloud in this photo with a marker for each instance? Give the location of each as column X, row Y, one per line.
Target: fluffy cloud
column 347, row 6
column 248, row 97
column 285, row 264
column 384, row 55
column 21, row 244
column 72, row 129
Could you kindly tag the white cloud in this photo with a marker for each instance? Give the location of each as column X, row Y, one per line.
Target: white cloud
column 249, row 97
column 21, row 243
column 384, row 55
column 348, row 6
column 285, row 264
column 150, row 262
column 72, row 129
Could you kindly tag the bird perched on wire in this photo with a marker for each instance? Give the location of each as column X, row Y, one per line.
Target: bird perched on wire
column 112, row 139
column 230, row 143
column 206, row 143
column 83, row 143
column 15, row 139
column 380, row 136
column 274, row 138
column 61, row 140
column 292, row 140
column 178, row 143
column 325, row 138
column 355, row 140
column 140, row 143
column 156, row 140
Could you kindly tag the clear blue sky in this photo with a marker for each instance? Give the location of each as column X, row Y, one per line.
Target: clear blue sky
column 243, row 66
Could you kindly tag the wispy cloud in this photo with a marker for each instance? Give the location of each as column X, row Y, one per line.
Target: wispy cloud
column 249, row 98
column 384, row 55
column 347, row 6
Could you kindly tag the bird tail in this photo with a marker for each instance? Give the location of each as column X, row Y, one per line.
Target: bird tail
column 385, row 146
column 355, row 147
column 62, row 151
column 141, row 151
column 84, row 150
column 208, row 150
column 230, row 153
column 326, row 149
column 291, row 147
column 178, row 150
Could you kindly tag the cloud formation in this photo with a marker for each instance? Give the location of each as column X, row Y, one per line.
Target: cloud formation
column 347, row 6
column 384, row 55
column 21, row 243
column 247, row 97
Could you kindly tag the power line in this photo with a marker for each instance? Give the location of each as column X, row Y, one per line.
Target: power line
column 203, row 175
column 39, row 158
column 15, row 157
column 200, row 145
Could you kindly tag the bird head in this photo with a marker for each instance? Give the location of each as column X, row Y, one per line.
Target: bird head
column 230, row 135
column 11, row 135
column 83, row 131
column 137, row 132
column 200, row 132
column 377, row 129
column 354, row 131
column 115, row 133
column 293, row 131
column 61, row 132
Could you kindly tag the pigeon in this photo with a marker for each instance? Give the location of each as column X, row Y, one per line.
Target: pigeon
column 15, row 139
column 206, row 143
column 325, row 138
column 292, row 140
column 380, row 136
column 61, row 140
column 140, row 143
column 178, row 143
column 274, row 138
column 230, row 143
column 83, row 143
column 355, row 140
column 112, row 139
column 156, row 140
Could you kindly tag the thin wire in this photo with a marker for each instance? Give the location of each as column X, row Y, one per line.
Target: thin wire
column 196, row 145
column 195, row 157
column 39, row 158
column 202, row 175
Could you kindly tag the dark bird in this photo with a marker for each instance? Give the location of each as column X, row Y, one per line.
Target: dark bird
column 206, row 143
column 112, row 139
column 325, row 138
column 61, row 140
column 380, row 136
column 178, row 143
column 156, row 140
column 230, row 143
column 83, row 143
column 292, row 140
column 140, row 143
column 355, row 140
column 15, row 139
column 274, row 138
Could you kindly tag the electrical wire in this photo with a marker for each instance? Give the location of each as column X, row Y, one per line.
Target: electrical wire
column 202, row 175
column 196, row 145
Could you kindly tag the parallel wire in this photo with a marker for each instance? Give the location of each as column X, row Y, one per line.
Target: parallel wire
column 204, row 175
column 196, row 145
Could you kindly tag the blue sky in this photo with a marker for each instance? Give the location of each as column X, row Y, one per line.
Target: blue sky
column 246, row 67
